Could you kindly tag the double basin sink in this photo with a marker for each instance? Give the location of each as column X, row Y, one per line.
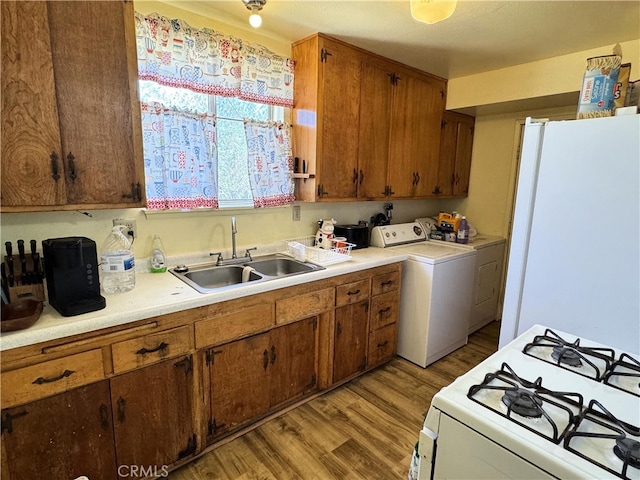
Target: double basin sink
column 211, row 278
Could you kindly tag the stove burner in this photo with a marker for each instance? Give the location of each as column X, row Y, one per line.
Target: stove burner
column 628, row 450
column 566, row 355
column 523, row 403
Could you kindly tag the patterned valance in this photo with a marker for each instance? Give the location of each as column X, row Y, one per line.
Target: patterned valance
column 173, row 53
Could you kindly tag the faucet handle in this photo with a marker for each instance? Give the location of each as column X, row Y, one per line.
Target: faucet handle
column 220, row 259
column 248, row 254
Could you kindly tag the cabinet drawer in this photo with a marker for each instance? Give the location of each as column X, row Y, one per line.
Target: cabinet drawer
column 142, row 351
column 384, row 310
column 302, row 306
column 225, row 328
column 385, row 282
column 48, row 378
column 352, row 292
column 382, row 344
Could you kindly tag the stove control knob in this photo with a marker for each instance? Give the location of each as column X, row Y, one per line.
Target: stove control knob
column 386, row 234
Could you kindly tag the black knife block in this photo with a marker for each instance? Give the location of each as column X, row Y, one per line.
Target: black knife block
column 21, row 290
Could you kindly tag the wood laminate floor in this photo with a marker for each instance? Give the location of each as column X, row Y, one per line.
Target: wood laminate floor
column 365, row 429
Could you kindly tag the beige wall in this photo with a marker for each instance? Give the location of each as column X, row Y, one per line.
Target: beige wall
column 488, row 205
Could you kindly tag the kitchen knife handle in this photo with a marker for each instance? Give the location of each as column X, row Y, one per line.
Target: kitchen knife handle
column 54, row 166
column 34, row 246
column 9, row 248
column 72, row 166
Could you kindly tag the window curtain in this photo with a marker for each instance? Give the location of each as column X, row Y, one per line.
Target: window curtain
column 180, row 158
column 270, row 163
column 173, row 53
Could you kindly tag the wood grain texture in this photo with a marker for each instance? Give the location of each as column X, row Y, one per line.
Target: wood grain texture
column 366, row 428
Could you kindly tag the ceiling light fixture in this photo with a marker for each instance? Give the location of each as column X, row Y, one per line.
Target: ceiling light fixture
column 254, row 6
column 432, row 11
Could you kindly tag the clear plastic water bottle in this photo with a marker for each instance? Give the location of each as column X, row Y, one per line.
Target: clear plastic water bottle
column 118, row 272
column 463, row 231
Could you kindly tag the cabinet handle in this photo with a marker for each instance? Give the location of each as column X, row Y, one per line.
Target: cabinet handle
column 355, row 176
column 8, row 418
column 121, row 404
column 54, row 166
column 104, row 417
column 321, row 191
column 265, row 359
column 185, row 363
column 361, row 177
column 388, row 282
column 453, row 178
column 41, row 380
column 136, row 192
column 273, row 354
column 144, row 351
column 436, row 191
column 457, row 179
column 72, row 166
column 190, row 449
column 417, row 178
column 414, row 179
column 338, row 328
column 391, row 192
column 382, row 311
column 353, row 293
column 383, row 344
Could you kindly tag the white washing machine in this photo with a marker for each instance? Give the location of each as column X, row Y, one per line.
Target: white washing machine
column 436, row 292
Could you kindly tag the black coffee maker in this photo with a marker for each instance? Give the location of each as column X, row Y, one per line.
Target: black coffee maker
column 71, row 270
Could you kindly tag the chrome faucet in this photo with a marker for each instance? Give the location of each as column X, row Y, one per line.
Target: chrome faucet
column 234, row 257
column 234, row 230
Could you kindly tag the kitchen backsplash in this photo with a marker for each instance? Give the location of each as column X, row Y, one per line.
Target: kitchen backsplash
column 189, row 232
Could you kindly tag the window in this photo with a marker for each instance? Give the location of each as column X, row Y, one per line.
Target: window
column 233, row 181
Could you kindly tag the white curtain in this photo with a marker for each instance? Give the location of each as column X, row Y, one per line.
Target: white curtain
column 173, row 53
column 180, row 158
column 270, row 163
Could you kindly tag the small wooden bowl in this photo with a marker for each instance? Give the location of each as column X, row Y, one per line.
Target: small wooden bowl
column 20, row 314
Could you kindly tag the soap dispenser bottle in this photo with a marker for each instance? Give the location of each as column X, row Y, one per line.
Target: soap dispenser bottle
column 158, row 257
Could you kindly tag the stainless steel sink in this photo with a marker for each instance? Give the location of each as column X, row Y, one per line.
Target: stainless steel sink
column 282, row 266
column 211, row 278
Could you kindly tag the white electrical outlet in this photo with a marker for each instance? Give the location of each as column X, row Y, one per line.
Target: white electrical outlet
column 130, row 224
column 295, row 214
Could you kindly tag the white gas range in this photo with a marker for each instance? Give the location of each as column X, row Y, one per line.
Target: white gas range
column 547, row 405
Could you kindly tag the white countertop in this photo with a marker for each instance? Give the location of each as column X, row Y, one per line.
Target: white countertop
column 160, row 294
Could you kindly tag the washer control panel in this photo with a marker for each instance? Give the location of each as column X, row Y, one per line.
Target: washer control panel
column 400, row 234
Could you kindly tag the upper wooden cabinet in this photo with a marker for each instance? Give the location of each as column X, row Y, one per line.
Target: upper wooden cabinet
column 366, row 127
column 456, row 143
column 71, row 131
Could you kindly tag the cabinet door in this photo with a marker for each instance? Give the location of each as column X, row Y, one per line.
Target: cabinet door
column 376, row 93
column 71, row 121
column 415, row 134
column 152, row 411
column 292, row 360
column 93, row 48
column 456, row 142
column 30, row 129
column 350, row 340
column 464, row 145
column 239, row 382
column 64, row 436
column 338, row 149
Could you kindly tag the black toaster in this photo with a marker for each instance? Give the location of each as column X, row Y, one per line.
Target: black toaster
column 356, row 234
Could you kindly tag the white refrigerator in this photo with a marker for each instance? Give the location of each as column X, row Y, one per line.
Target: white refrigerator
column 574, row 261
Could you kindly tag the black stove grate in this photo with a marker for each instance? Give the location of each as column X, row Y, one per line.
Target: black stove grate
column 625, row 368
column 618, row 432
column 570, row 355
column 535, row 395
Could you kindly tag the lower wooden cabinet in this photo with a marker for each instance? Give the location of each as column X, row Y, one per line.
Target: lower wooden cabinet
column 152, row 413
column 250, row 377
column 350, row 340
column 146, row 397
column 61, row 437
